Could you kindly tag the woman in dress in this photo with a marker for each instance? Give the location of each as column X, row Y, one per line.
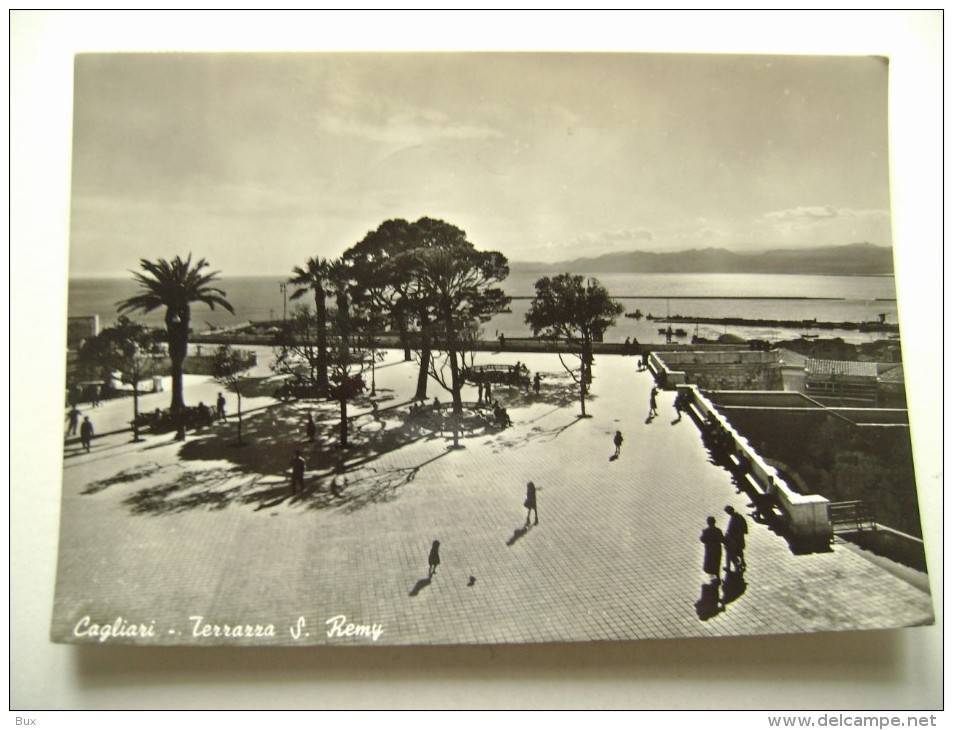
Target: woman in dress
column 435, row 558
column 530, row 503
column 712, row 538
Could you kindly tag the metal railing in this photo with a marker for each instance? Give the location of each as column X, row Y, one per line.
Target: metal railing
column 854, row 516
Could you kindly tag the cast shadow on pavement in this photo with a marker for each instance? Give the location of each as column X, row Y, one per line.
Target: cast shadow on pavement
column 421, row 584
column 519, row 532
column 258, row 473
column 514, row 439
column 126, row 476
column 712, row 602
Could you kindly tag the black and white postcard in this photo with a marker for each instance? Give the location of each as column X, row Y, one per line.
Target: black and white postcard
column 480, row 348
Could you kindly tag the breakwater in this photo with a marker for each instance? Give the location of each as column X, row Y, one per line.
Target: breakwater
column 886, row 327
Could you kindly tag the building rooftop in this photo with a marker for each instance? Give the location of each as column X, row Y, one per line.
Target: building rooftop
column 841, row 367
column 893, row 375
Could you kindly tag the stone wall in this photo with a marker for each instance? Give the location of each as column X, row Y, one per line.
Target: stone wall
column 808, row 516
column 840, row 459
column 721, row 370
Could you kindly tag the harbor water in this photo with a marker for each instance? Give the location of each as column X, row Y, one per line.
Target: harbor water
column 749, row 296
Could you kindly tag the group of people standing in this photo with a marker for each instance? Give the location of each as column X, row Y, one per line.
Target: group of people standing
column 733, row 541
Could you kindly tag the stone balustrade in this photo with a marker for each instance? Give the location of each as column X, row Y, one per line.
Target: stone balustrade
column 807, row 516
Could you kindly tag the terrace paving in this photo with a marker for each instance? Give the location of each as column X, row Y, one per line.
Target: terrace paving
column 160, row 531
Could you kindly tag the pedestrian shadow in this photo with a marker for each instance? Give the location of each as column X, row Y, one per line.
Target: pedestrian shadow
column 649, row 419
column 614, row 457
column 709, row 603
column 517, row 534
column 100, row 450
column 274, row 502
column 421, row 584
column 166, row 443
column 272, row 494
column 733, row 586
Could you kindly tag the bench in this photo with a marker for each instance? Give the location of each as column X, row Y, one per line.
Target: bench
column 498, row 375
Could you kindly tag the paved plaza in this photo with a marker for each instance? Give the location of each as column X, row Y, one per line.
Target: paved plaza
column 158, row 532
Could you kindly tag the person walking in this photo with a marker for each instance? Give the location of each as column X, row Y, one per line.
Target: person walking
column 310, row 428
column 536, row 381
column 434, row 559
column 220, row 407
column 297, row 473
column 618, row 444
column 86, row 434
column 679, row 404
column 653, row 403
column 530, row 503
column 735, row 540
column 712, row 538
column 73, row 418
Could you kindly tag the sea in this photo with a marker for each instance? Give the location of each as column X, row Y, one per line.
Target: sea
column 750, row 296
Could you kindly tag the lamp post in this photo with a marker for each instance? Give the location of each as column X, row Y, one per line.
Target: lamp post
column 135, row 394
column 373, row 364
column 284, row 306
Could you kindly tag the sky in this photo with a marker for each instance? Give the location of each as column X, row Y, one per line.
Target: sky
column 258, row 162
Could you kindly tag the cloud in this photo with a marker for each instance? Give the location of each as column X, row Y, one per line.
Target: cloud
column 803, row 214
column 808, row 215
column 614, row 237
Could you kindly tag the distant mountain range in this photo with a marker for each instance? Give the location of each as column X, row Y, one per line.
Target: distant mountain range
column 855, row 259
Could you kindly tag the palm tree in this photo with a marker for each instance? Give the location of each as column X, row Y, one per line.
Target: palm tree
column 315, row 277
column 175, row 285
